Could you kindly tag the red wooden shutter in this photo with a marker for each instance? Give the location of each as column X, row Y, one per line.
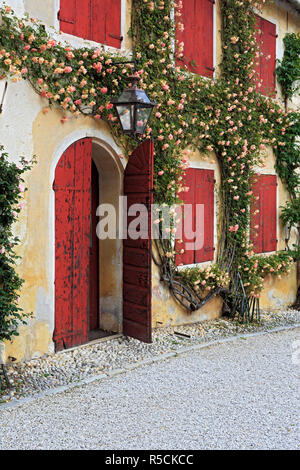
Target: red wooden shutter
column 113, row 24
column 98, row 18
column 258, row 28
column 256, row 219
column 204, row 37
column 266, row 38
column 201, row 191
column 188, row 257
column 94, row 254
column 265, row 189
column 106, row 22
column 72, row 238
column 137, row 254
column 269, row 211
column 268, row 48
column 205, row 181
column 198, row 36
column 67, row 16
column 75, row 17
column 187, row 35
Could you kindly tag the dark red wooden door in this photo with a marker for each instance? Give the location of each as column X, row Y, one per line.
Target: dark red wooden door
column 72, row 188
column 94, row 254
column 137, row 254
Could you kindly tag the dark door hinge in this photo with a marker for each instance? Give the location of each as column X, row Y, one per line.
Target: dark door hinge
column 114, row 36
column 59, row 17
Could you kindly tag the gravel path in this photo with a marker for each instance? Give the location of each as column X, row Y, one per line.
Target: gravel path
column 242, row 394
column 39, row 375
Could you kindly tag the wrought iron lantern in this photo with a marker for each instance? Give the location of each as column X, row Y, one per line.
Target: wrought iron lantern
column 133, row 108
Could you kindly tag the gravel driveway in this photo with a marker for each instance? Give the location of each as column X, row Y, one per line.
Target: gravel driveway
column 242, row 394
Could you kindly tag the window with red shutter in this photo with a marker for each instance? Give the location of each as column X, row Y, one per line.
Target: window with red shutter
column 201, row 191
column 264, row 237
column 97, row 20
column 197, row 36
column 266, row 38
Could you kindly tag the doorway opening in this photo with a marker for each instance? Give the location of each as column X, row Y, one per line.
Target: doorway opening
column 88, row 271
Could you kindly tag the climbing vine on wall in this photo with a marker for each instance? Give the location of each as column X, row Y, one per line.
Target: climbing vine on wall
column 12, row 188
column 227, row 116
column 288, row 69
column 288, row 157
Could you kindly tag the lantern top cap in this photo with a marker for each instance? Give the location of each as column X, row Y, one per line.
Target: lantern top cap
column 133, row 95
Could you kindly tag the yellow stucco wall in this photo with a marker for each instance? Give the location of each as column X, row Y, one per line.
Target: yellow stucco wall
column 36, row 230
column 44, row 135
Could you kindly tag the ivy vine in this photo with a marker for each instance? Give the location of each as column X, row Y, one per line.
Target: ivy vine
column 12, row 188
column 288, row 69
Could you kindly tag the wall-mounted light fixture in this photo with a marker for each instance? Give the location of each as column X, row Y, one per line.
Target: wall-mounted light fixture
column 133, row 107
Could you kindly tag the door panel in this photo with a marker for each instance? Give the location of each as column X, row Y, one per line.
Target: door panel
column 137, row 254
column 72, row 237
column 94, row 254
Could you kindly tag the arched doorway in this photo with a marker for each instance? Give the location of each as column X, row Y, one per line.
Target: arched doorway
column 101, row 286
column 79, row 186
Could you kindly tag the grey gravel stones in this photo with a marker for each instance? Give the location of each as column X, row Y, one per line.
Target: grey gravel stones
column 67, row 367
column 242, row 394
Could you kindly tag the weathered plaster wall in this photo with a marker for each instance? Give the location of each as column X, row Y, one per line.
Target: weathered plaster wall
column 36, row 228
column 25, row 130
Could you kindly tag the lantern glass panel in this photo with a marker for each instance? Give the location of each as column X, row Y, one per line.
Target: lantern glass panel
column 126, row 115
column 142, row 117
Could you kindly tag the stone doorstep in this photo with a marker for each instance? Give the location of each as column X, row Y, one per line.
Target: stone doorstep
column 90, row 343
